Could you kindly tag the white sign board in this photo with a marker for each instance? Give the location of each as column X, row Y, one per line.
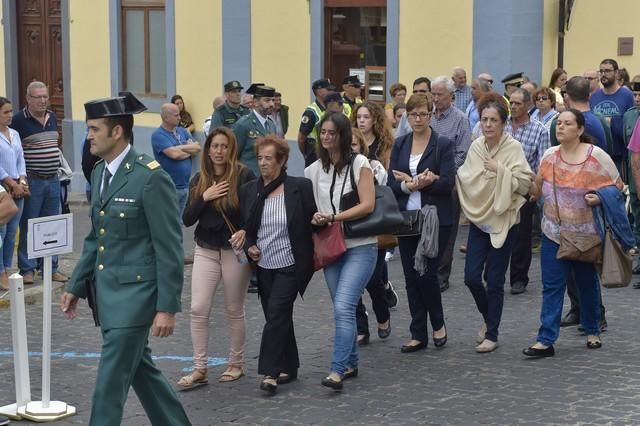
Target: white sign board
column 50, row 235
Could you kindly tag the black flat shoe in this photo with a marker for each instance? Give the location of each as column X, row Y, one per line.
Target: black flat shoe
column 350, row 374
column 405, row 349
column 330, row 383
column 539, row 353
column 364, row 341
column 383, row 333
column 285, row 378
column 440, row 341
column 267, row 386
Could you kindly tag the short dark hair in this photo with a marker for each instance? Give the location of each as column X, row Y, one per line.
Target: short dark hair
column 124, row 121
column 277, row 94
column 578, row 89
column 611, row 62
column 495, row 101
column 396, row 107
column 421, row 80
column 526, row 96
column 4, row 101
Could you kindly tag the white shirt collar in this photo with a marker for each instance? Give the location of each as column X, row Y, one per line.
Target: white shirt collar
column 261, row 119
column 114, row 165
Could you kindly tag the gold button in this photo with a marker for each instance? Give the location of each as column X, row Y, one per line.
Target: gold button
column 101, row 231
column 121, row 214
column 100, row 267
column 139, row 277
column 101, row 213
column 101, row 248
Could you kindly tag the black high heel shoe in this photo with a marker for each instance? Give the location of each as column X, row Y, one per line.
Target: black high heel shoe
column 383, row 333
column 440, row 341
column 269, row 387
column 333, row 384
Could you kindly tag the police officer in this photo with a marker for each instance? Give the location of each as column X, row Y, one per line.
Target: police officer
column 256, row 123
column 310, row 118
column 351, row 87
column 131, row 266
column 511, row 83
column 228, row 113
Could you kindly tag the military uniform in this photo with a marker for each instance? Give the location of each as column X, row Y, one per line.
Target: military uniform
column 131, row 268
column 225, row 115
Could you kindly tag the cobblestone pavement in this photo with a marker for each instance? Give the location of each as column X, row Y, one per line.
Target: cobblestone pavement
column 452, row 385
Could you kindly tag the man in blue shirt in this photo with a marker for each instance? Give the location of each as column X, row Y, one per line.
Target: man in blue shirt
column 612, row 101
column 173, row 148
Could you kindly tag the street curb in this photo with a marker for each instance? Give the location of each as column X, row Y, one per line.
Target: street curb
column 33, row 295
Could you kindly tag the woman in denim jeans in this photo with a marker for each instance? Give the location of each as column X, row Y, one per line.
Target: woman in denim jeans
column 348, row 276
column 580, row 168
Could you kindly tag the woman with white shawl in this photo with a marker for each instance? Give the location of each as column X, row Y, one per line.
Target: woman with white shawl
column 492, row 185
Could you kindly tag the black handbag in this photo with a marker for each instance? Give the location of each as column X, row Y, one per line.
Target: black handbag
column 412, row 223
column 385, row 218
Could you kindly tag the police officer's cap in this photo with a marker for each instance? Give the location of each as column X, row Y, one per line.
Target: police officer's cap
column 232, row 85
column 515, row 79
column 333, row 97
column 124, row 104
column 634, row 86
column 352, row 80
column 320, row 84
column 264, row 91
column 252, row 89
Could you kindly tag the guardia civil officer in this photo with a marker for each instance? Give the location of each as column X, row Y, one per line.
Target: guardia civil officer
column 131, row 268
column 351, row 88
column 310, row 119
column 255, row 124
column 228, row 113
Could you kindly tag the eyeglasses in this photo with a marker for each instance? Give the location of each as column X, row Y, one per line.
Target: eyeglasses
column 605, row 71
column 421, row 115
column 591, row 78
column 420, row 91
column 40, row 98
column 542, row 98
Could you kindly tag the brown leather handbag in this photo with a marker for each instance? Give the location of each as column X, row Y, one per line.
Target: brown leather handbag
column 575, row 245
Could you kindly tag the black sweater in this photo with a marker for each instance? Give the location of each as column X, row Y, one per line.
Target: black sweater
column 212, row 231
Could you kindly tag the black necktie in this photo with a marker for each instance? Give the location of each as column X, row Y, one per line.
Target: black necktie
column 105, row 182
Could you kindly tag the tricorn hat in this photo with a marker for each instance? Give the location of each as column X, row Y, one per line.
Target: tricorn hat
column 124, row 104
column 264, row 91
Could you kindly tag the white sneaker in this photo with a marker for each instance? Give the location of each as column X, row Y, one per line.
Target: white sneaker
column 388, row 256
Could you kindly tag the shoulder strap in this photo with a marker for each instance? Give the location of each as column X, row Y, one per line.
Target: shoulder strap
column 333, row 183
column 555, row 192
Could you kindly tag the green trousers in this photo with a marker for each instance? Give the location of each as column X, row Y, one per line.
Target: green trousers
column 126, row 361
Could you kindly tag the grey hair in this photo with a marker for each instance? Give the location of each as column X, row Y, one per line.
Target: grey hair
column 484, row 85
column 458, row 68
column 447, row 81
column 35, row 85
column 526, row 96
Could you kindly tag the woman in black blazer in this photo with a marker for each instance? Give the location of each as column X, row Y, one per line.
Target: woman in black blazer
column 422, row 171
column 278, row 239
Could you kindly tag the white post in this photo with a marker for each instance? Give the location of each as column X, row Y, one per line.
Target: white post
column 20, row 352
column 46, row 332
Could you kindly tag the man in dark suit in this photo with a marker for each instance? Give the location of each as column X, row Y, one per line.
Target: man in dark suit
column 131, row 266
column 280, row 115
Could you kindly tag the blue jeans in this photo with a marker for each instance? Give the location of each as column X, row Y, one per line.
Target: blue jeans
column 8, row 236
column 484, row 257
column 182, row 194
column 44, row 201
column 554, row 276
column 423, row 292
column 346, row 279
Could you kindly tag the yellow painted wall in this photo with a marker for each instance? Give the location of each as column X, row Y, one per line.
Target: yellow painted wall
column 89, row 51
column 3, row 86
column 198, row 56
column 280, row 52
column 594, row 31
column 550, row 40
column 434, row 37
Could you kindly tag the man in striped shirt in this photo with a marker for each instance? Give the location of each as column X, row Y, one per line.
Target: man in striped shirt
column 38, row 129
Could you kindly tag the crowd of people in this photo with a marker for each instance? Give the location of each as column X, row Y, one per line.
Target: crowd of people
column 525, row 168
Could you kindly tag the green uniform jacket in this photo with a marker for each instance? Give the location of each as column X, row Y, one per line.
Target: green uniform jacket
column 226, row 116
column 133, row 252
column 247, row 129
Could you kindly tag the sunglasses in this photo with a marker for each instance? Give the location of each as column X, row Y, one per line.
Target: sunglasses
column 542, row 98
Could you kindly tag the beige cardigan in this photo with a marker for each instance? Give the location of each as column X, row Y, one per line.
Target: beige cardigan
column 492, row 200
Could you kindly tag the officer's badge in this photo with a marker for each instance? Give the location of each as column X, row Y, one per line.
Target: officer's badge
column 153, row 165
column 305, row 119
column 234, row 84
column 127, row 166
column 252, row 134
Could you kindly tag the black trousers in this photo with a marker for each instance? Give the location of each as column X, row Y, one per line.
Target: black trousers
column 278, row 291
column 446, row 254
column 521, row 252
column 375, row 287
column 423, row 292
column 574, row 297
